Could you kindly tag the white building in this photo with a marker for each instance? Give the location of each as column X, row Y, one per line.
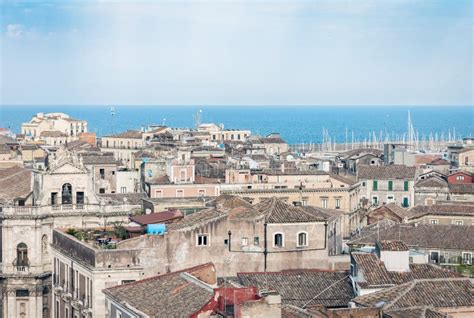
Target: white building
column 53, row 122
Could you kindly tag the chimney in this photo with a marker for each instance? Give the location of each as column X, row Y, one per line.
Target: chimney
column 394, row 254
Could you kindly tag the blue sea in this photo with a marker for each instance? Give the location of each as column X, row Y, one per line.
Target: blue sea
column 297, row 124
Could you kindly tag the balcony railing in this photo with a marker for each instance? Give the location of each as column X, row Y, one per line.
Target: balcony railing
column 21, row 266
column 52, row 209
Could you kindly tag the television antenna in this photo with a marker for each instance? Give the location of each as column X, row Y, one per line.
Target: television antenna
column 112, row 114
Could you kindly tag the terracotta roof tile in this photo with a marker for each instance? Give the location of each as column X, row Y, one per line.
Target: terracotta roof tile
column 15, row 182
column 422, row 235
column 304, row 287
column 159, row 217
column 438, row 293
column 169, row 295
column 277, row 211
column 386, row 172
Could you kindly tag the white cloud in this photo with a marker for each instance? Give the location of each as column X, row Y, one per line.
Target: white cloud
column 15, row 30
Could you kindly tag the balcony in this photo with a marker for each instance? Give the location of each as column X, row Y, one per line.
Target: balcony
column 56, row 209
column 21, row 267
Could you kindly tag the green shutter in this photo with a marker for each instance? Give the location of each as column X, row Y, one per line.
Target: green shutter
column 390, row 185
column 405, row 202
column 405, row 185
column 374, row 185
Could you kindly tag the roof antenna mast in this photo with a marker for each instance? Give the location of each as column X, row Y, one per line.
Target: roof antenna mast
column 112, row 114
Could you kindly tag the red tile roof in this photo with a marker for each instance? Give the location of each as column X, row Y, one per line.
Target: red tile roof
column 159, row 217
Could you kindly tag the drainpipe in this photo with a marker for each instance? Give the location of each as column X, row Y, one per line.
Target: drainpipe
column 230, row 234
column 265, row 252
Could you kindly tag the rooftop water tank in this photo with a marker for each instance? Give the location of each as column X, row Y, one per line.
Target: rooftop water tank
column 155, row 229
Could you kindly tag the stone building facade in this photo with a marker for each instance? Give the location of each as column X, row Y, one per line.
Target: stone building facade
column 234, row 235
column 62, row 197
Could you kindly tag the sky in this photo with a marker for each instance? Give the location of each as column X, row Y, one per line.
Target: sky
column 367, row 52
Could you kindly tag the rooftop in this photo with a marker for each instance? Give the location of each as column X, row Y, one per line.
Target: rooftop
column 302, row 288
column 437, row 293
column 392, row 246
column 133, row 134
column 159, row 217
column 376, row 274
column 15, row 182
column 386, row 172
column 454, row 209
column 177, row 294
column 453, row 237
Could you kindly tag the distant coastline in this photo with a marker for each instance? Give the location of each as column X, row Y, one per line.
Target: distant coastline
column 297, row 124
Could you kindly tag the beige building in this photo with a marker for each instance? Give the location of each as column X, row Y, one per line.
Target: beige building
column 219, row 135
column 345, row 199
column 123, row 145
column 234, row 235
column 387, row 184
column 443, row 213
column 275, row 179
column 57, row 122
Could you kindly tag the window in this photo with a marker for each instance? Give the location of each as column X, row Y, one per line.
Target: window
column 79, row 197
column 66, row 194
column 245, row 241
column 278, row 240
column 127, row 281
column 22, row 293
column 324, row 203
column 375, row 200
column 102, row 173
column 405, row 186
column 182, row 175
column 363, row 183
column 338, row 203
column 302, row 239
column 21, row 202
column 202, row 192
column 179, row 193
column 390, row 199
column 256, row 240
column 54, row 198
column 434, row 221
column 202, row 240
column 458, row 222
column 374, row 185
column 466, row 258
column 226, row 242
column 434, row 257
column 406, row 202
column 390, row 185
column 123, row 190
column 22, row 255
column 102, row 190
column 158, row 193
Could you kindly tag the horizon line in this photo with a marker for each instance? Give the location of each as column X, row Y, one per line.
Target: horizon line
column 238, row 105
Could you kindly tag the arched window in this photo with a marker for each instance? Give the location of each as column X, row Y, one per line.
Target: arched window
column 22, row 255
column 302, row 239
column 278, row 240
column 66, row 193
